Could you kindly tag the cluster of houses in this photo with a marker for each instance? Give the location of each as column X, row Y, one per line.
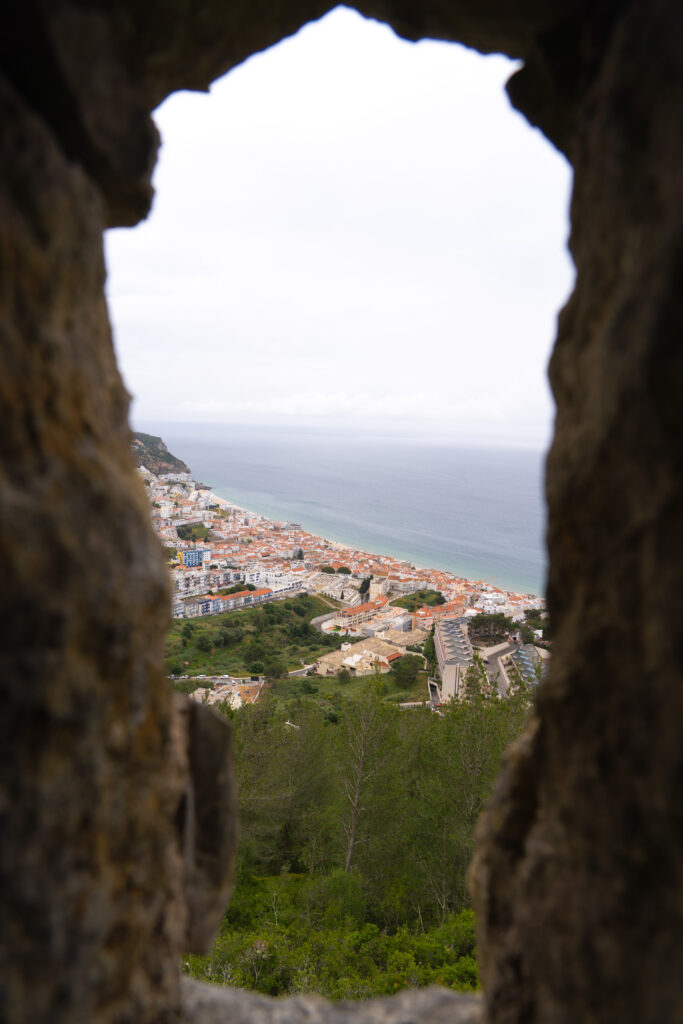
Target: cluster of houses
column 261, row 560
column 360, row 659
column 247, row 542
column 194, row 594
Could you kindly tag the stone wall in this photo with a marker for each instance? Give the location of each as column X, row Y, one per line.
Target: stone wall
column 89, row 878
column 107, row 865
column 579, row 875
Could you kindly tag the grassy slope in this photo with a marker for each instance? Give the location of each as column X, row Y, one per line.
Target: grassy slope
column 269, row 628
column 418, row 599
column 197, row 532
column 331, row 689
column 242, row 639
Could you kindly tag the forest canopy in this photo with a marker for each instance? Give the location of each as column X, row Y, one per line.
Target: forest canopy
column 357, row 830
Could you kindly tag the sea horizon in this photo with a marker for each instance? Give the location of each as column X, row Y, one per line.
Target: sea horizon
column 477, row 511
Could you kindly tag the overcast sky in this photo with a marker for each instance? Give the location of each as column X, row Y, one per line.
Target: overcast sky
column 350, row 229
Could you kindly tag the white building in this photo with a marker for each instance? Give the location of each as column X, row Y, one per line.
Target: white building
column 454, row 655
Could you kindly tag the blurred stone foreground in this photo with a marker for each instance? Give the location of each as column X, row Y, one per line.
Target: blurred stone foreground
column 118, row 806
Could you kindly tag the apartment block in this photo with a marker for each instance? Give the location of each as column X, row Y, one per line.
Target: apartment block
column 454, row 655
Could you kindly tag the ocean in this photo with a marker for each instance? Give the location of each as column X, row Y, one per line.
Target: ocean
column 478, row 512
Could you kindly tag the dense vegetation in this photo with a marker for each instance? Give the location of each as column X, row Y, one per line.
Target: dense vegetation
column 357, row 829
column 195, row 532
column 406, row 682
column 275, row 638
column 419, row 598
column 535, row 618
column 490, row 629
column 493, row 629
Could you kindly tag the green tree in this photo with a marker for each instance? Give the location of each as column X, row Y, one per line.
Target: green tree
column 420, row 597
column 283, row 780
column 230, row 634
column 359, row 914
column 195, row 532
column 203, row 643
column 365, row 586
column 476, row 681
column 405, row 670
column 430, row 652
column 537, row 618
column 363, row 734
column 274, row 669
column 237, row 587
column 490, row 628
column 467, row 744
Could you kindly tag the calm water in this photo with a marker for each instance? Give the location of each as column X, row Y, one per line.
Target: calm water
column 477, row 512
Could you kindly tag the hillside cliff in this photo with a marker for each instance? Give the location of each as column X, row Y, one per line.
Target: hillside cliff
column 152, row 453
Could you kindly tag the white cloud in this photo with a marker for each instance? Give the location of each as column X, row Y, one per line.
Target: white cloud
column 350, row 227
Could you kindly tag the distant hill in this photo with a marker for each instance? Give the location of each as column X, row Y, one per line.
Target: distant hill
column 152, row 453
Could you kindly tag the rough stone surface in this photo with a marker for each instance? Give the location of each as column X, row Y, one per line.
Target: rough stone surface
column 209, row 1004
column 206, row 818
column 107, row 866
column 95, row 70
column 578, row 877
column 89, row 916
column 99, row 896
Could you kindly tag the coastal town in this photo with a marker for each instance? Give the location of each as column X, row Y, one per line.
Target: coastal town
column 224, row 558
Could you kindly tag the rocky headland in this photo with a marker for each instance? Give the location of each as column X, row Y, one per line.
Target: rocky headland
column 152, row 453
